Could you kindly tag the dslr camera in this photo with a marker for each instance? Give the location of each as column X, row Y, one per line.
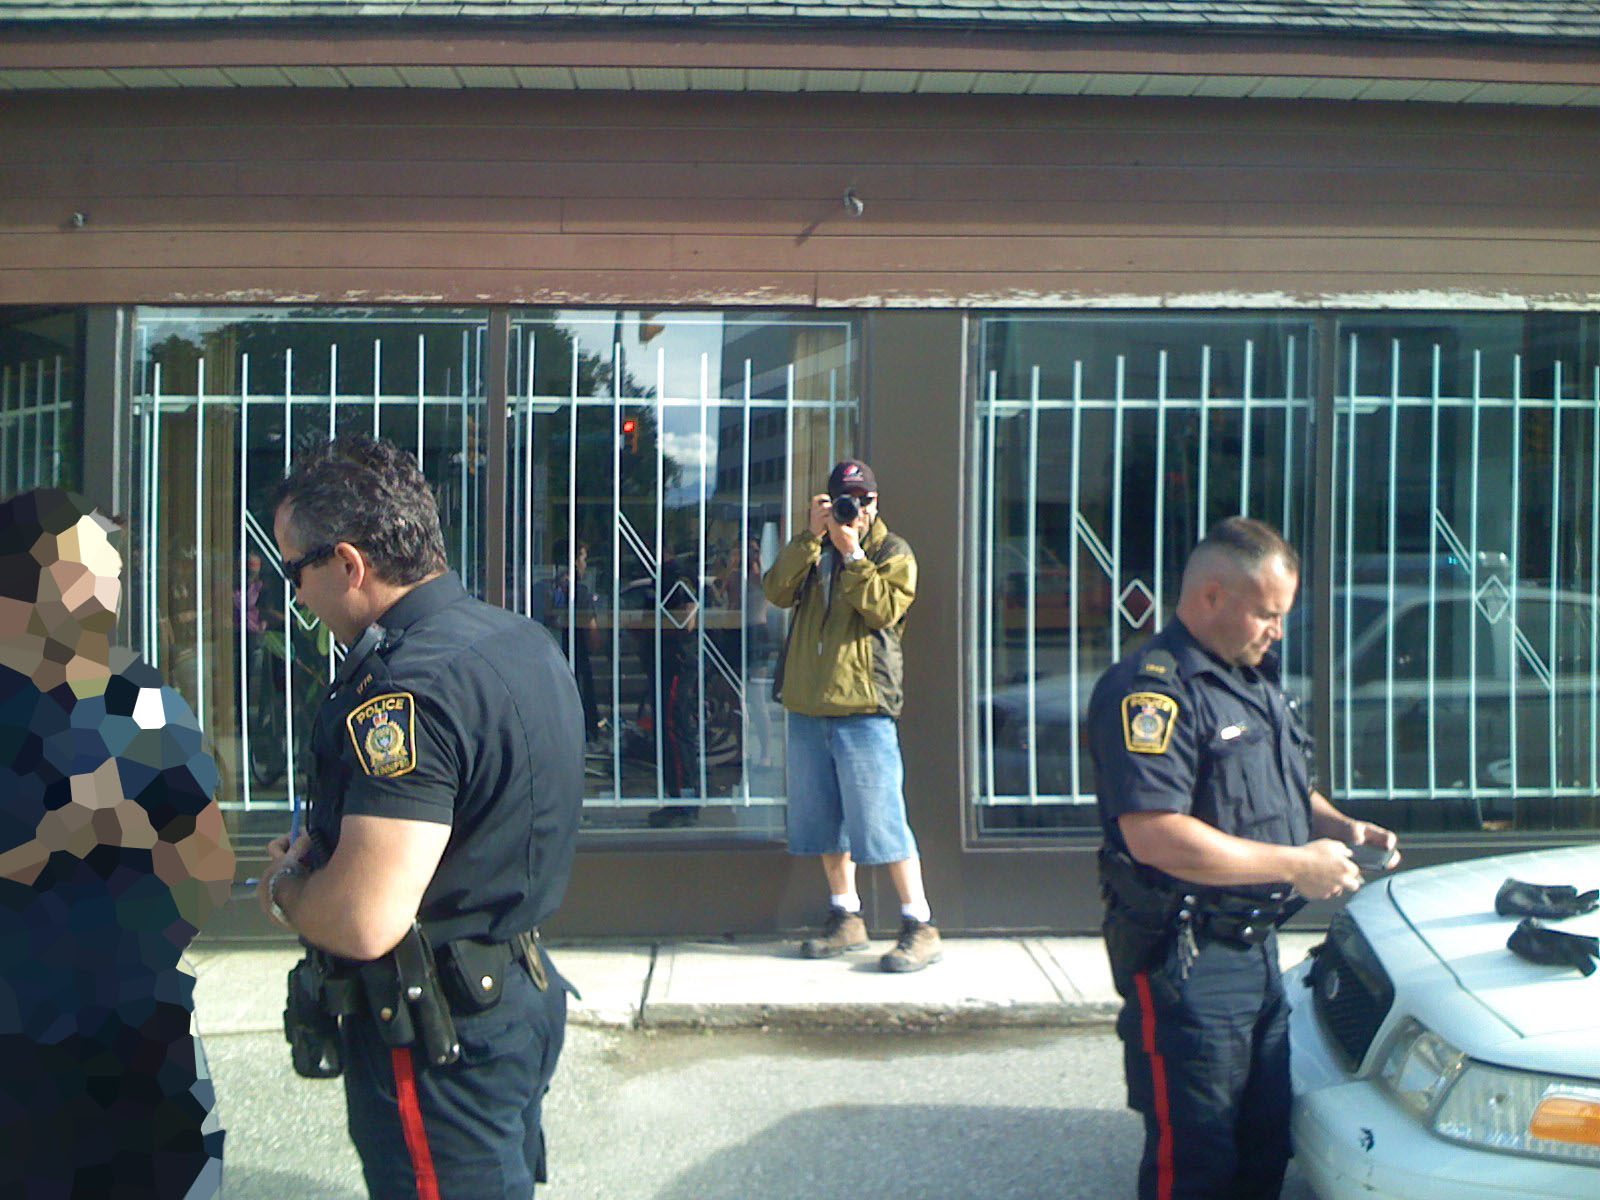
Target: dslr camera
column 846, row 508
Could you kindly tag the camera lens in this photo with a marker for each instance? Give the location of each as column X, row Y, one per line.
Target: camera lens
column 846, row 509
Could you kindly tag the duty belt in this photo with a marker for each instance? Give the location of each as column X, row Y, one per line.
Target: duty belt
column 1236, row 921
column 1193, row 912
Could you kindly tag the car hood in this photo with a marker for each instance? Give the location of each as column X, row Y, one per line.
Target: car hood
column 1452, row 911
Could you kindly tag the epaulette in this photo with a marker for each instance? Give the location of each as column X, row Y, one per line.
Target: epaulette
column 1159, row 664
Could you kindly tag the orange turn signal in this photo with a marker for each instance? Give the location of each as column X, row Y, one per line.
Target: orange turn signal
column 1567, row 1119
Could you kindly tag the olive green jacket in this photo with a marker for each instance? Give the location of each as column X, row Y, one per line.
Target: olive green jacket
column 842, row 656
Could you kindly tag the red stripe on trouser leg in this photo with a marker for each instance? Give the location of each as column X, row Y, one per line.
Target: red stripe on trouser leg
column 1158, row 1086
column 405, row 1093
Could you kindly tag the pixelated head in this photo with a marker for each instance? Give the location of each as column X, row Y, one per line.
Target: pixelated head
column 59, row 570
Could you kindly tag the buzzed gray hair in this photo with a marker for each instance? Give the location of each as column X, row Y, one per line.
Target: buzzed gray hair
column 1243, row 544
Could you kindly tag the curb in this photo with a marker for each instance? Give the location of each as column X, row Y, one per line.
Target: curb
column 873, row 1017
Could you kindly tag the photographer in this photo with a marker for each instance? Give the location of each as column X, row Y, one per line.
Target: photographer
column 850, row 582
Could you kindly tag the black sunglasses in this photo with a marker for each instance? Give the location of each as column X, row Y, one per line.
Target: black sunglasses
column 293, row 566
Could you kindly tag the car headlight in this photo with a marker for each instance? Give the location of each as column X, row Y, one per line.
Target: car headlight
column 1519, row 1112
column 1418, row 1068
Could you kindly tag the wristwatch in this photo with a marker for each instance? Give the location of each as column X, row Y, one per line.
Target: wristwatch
column 293, row 870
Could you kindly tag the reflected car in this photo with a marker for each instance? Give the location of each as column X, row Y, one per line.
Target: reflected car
column 1501, row 689
column 1502, row 701
column 1429, row 1061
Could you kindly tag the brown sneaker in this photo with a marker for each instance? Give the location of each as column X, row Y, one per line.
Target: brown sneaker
column 842, row 931
column 918, row 946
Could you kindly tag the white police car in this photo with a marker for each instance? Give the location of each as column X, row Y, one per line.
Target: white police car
column 1429, row 1061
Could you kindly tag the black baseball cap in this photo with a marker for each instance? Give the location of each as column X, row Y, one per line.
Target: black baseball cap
column 852, row 475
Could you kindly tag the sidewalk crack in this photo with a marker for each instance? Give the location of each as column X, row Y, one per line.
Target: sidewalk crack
column 649, row 978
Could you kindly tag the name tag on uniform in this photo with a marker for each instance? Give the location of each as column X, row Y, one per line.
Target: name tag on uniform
column 1229, row 732
column 1147, row 721
column 383, row 731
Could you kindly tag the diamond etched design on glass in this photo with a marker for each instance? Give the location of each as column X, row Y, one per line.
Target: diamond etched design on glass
column 671, row 599
column 1493, row 600
column 1136, row 603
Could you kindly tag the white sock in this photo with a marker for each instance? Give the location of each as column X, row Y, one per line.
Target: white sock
column 850, row 902
column 917, row 912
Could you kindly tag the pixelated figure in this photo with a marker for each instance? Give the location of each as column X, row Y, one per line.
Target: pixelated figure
column 112, row 856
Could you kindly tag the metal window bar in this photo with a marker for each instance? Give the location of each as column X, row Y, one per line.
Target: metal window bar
column 1032, row 573
column 990, row 583
column 1555, row 559
column 1433, row 569
column 1203, row 505
column 1160, row 482
column 241, row 615
column 1073, row 629
column 1349, row 567
column 1116, row 503
column 1393, row 494
column 1474, row 563
column 1516, row 551
column 744, row 565
column 1594, row 580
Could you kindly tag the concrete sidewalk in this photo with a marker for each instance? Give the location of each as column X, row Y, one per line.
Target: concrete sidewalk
column 981, row 983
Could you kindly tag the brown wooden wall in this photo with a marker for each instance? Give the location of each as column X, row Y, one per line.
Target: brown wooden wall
column 479, row 197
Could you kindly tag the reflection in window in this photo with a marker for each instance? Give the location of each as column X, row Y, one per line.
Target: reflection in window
column 1467, row 495
column 658, row 460
column 221, row 398
column 1104, row 448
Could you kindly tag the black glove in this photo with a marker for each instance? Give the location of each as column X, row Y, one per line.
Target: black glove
column 1552, row 947
column 1518, row 899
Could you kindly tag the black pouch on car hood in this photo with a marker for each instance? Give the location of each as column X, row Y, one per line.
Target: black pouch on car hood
column 1518, row 899
column 1552, row 947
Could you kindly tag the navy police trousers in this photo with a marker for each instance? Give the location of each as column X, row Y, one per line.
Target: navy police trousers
column 467, row 1131
column 1207, row 1060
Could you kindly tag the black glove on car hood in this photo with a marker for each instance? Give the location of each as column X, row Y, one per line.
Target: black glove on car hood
column 1518, row 899
column 1553, row 948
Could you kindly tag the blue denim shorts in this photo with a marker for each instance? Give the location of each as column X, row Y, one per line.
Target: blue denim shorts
column 846, row 789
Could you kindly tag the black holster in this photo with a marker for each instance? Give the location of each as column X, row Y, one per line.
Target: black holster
column 406, row 999
column 318, row 998
column 1141, row 918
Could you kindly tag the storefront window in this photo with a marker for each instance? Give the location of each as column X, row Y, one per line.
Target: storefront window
column 41, row 394
column 1105, row 446
column 1465, row 683
column 221, row 399
column 1467, row 492
column 658, row 460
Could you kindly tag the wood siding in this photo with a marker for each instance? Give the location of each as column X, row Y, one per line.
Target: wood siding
column 671, row 199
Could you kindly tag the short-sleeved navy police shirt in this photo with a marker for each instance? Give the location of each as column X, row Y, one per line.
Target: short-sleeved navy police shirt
column 1173, row 728
column 466, row 715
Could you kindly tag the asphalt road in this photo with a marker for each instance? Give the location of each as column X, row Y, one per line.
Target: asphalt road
column 1003, row 1115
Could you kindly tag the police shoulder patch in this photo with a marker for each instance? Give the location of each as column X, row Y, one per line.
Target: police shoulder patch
column 1147, row 721
column 383, row 731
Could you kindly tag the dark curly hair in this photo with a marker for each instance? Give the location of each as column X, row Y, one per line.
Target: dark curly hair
column 372, row 494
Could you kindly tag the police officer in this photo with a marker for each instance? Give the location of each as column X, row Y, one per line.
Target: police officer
column 1214, row 835
column 448, row 780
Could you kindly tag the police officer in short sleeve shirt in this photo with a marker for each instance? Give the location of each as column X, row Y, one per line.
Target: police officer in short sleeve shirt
column 1203, row 774
column 448, row 781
